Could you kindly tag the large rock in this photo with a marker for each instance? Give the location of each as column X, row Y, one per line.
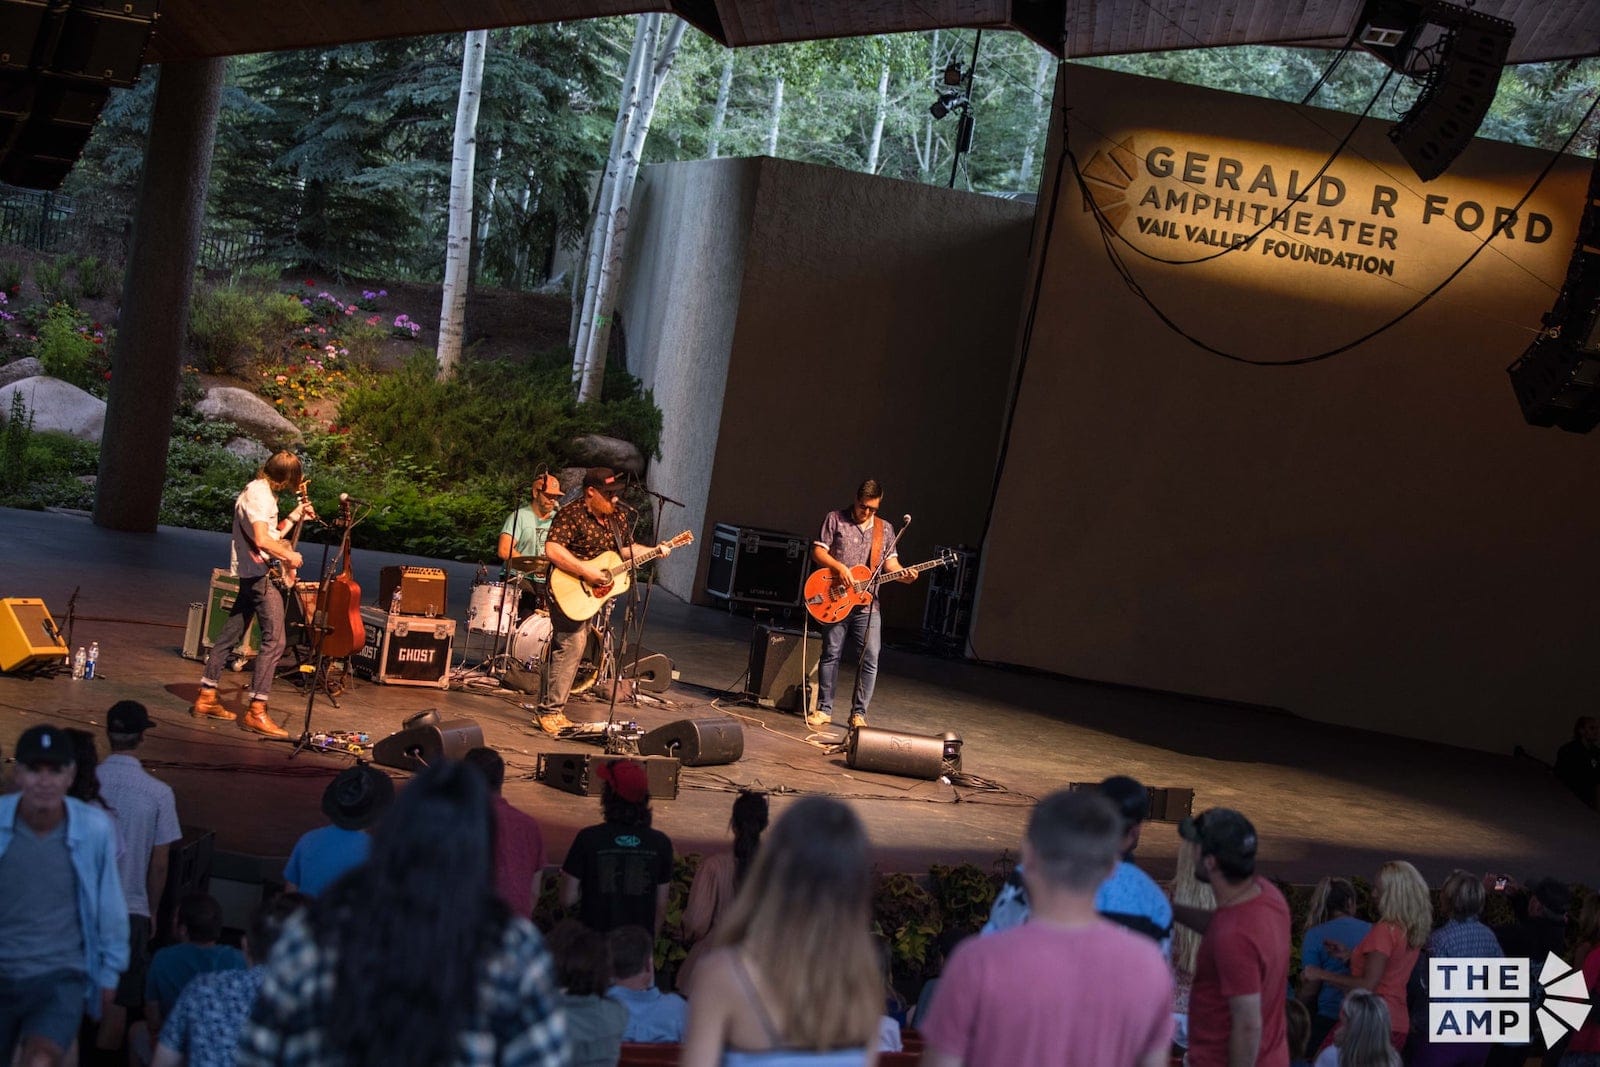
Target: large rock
column 19, row 369
column 248, row 450
column 596, row 450
column 254, row 417
column 56, row 405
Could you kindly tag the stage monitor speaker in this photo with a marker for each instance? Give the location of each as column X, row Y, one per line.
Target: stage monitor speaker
column 1456, row 95
column 652, row 669
column 908, row 755
column 29, row 637
column 575, row 772
column 696, row 742
column 415, row 747
column 774, row 677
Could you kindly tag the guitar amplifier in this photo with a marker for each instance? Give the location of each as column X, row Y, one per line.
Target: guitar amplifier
column 574, row 772
column 774, row 675
column 219, row 602
column 422, row 590
column 28, row 635
column 405, row 649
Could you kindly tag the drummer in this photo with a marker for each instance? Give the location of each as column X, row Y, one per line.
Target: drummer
column 526, row 528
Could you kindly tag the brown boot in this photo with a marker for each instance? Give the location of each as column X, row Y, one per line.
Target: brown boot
column 208, row 706
column 257, row 719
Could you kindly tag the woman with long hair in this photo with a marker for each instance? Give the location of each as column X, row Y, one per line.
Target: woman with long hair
column 1331, row 926
column 1363, row 1036
column 1383, row 959
column 411, row 958
column 792, row 978
column 719, row 877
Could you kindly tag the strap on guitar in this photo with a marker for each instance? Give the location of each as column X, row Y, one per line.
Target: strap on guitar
column 877, row 544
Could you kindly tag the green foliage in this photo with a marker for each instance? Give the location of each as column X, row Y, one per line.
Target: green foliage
column 14, row 465
column 51, row 278
column 11, row 274
column 964, row 893
column 51, row 467
column 232, row 326
column 203, row 478
column 97, row 278
column 74, row 349
column 907, row 916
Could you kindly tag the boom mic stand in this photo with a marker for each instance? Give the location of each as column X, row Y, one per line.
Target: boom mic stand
column 657, row 509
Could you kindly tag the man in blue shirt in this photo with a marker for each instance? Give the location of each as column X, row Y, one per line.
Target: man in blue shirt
column 653, row 1016
column 353, row 802
column 63, row 918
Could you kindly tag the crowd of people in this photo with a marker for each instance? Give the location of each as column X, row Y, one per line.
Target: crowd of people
column 405, row 936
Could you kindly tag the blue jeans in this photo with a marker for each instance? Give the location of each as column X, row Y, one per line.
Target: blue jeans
column 258, row 598
column 862, row 630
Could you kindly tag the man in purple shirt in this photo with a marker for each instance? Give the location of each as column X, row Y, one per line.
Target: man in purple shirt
column 853, row 537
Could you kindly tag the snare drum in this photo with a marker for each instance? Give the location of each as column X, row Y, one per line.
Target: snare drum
column 490, row 609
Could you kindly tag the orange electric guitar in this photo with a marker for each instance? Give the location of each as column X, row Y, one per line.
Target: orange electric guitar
column 829, row 600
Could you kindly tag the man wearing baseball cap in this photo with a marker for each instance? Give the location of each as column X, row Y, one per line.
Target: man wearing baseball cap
column 1241, row 972
column 618, row 873
column 63, row 920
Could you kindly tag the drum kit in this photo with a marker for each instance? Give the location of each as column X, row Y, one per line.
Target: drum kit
column 496, row 609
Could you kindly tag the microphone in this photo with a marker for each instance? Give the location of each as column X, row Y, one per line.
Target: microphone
column 346, row 498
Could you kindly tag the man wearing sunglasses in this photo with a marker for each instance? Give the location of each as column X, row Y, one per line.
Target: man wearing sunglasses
column 524, row 534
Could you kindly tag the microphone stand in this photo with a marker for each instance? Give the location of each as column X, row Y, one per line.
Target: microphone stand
column 657, row 509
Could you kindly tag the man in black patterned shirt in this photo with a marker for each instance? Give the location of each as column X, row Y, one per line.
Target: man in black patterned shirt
column 580, row 531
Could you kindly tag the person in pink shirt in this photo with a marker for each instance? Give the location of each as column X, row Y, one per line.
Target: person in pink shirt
column 1067, row 988
column 518, row 841
column 1237, row 1004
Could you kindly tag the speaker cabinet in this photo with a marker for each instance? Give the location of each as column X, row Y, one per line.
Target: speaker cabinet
column 422, row 590
column 1456, row 95
column 576, row 772
column 908, row 755
column 28, row 635
column 774, row 676
column 697, row 742
column 653, row 670
column 416, row 747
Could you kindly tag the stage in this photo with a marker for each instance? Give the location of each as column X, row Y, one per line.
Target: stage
column 1323, row 798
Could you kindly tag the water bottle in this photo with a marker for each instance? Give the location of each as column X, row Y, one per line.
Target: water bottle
column 94, row 657
column 78, row 662
column 394, row 602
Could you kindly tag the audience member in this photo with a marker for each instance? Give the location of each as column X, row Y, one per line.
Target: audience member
column 1461, row 900
column 1584, row 1048
column 636, row 859
column 353, row 802
column 719, row 877
column 943, row 948
column 895, row 1008
column 199, row 925
column 1070, row 988
column 1538, row 929
column 1578, row 761
column 653, row 1016
column 1297, row 1024
column 1191, row 892
column 203, row 1027
column 1331, row 924
column 1241, row 971
column 1362, row 1037
column 791, row 976
column 1383, row 959
column 63, row 918
column 147, row 819
column 595, row 1023
column 1129, row 897
column 1588, row 930
column 86, row 779
column 411, row 958
column 518, row 842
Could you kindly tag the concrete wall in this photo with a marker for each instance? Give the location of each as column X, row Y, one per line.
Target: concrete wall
column 1375, row 539
column 872, row 336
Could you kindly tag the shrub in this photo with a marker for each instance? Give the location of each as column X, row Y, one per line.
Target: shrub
column 51, row 278
column 14, row 445
column 203, row 478
column 52, row 465
column 231, row 327
column 97, row 278
column 74, row 349
column 11, row 273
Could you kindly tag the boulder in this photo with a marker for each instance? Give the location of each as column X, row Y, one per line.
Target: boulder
column 248, row 450
column 19, row 369
column 596, row 450
column 57, row 405
column 254, row 417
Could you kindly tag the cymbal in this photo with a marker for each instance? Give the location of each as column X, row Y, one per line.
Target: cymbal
column 528, row 563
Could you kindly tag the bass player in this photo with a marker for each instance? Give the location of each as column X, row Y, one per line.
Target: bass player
column 852, row 537
column 258, row 543
column 581, row 530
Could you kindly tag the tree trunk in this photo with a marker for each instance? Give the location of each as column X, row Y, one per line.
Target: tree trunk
column 486, row 217
column 614, row 240
column 1041, row 115
column 458, row 252
column 775, row 120
column 880, row 112
column 156, row 288
column 719, row 113
column 925, row 150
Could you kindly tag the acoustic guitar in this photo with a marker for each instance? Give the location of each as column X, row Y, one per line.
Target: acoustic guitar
column 278, row 571
column 579, row 600
column 829, row 600
column 344, row 632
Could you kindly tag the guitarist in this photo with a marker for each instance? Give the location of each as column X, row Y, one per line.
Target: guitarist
column 851, row 537
column 581, row 530
column 258, row 540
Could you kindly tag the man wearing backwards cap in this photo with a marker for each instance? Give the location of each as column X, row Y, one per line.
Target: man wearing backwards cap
column 353, row 802
column 1241, row 971
column 618, row 873
column 63, row 920
column 580, row 531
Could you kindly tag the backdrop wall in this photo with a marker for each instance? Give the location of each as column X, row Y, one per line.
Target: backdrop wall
column 1374, row 539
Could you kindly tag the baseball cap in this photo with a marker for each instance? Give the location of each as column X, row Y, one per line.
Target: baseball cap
column 45, row 744
column 128, row 717
column 627, row 779
column 1223, row 833
column 604, row 479
column 1131, row 799
column 357, row 796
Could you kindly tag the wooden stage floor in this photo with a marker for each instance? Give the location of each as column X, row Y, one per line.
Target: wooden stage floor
column 1323, row 798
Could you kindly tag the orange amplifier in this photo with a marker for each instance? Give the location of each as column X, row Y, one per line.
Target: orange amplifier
column 421, row 589
column 29, row 638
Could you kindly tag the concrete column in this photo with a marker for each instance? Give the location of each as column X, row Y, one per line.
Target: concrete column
column 154, row 321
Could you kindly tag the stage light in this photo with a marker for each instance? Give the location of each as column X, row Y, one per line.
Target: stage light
column 947, row 103
column 1389, row 28
column 953, row 74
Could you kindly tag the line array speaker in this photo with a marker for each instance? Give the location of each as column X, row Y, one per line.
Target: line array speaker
column 1457, row 93
column 697, row 742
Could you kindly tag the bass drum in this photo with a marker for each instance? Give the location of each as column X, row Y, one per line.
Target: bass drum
column 490, row 609
column 531, row 644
